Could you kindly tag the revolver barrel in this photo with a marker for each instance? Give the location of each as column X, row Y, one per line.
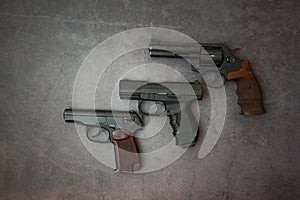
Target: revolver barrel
column 213, row 51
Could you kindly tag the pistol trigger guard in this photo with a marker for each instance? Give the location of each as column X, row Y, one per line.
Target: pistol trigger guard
column 149, row 113
column 96, row 136
column 140, row 102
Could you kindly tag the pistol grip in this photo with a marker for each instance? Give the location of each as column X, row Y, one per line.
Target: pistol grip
column 185, row 127
column 126, row 152
column 249, row 92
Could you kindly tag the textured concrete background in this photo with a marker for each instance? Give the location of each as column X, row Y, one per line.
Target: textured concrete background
column 42, row 44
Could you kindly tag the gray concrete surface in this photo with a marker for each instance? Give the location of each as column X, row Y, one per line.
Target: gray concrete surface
column 42, row 44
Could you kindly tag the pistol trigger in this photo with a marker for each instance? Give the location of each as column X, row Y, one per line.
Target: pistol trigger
column 236, row 49
column 194, row 68
column 171, row 95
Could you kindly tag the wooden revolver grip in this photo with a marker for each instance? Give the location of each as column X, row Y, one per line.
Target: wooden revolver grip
column 126, row 152
column 249, row 92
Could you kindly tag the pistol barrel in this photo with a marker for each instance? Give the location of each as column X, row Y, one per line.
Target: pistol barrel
column 96, row 116
column 85, row 116
column 165, row 91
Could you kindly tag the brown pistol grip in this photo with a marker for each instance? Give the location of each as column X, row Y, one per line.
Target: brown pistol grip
column 249, row 92
column 126, row 152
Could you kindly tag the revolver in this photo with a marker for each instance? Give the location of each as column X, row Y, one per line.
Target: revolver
column 117, row 126
column 230, row 67
column 166, row 101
